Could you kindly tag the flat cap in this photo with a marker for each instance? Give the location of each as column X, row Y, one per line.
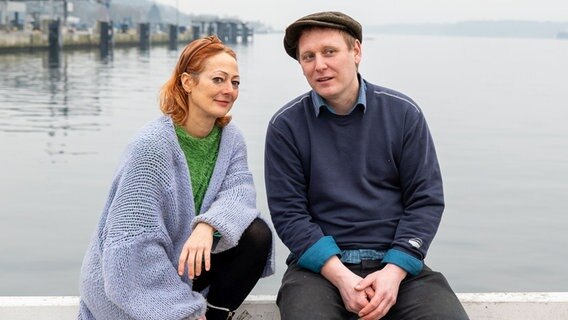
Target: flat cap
column 325, row 19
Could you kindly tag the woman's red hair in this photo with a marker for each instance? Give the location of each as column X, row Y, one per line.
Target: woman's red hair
column 173, row 98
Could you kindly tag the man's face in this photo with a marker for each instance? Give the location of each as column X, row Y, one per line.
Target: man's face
column 328, row 64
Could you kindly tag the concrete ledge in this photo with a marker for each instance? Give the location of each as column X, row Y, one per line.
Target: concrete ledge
column 516, row 305
column 479, row 306
column 40, row 308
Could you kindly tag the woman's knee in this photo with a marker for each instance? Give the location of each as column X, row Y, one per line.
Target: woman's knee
column 258, row 235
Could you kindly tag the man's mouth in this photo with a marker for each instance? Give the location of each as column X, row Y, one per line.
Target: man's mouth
column 324, row 79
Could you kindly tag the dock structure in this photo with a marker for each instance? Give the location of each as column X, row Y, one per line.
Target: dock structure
column 53, row 32
column 479, row 306
column 105, row 38
column 228, row 30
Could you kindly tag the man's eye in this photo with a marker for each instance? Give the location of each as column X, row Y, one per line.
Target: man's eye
column 307, row 57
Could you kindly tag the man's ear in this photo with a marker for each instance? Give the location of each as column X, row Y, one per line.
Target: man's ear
column 358, row 52
column 186, row 82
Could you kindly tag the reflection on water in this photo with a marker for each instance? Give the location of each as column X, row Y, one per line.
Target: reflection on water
column 496, row 108
column 60, row 93
column 44, row 93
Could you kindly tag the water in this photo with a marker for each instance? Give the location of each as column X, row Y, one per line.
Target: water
column 496, row 107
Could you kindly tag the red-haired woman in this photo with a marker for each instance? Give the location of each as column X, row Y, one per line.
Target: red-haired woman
column 180, row 236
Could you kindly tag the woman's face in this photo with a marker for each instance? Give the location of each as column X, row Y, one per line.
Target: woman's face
column 216, row 89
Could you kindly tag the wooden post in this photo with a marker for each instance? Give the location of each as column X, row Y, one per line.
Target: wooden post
column 54, row 35
column 244, row 33
column 173, row 40
column 106, row 37
column 232, row 29
column 144, row 33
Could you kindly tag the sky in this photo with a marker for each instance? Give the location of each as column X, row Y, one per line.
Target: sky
column 280, row 13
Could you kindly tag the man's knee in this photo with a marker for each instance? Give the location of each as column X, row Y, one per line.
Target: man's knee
column 307, row 295
column 427, row 296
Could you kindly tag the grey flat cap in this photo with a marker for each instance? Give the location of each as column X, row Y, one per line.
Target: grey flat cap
column 326, row 19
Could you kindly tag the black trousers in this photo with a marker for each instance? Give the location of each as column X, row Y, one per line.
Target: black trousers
column 235, row 272
column 308, row 295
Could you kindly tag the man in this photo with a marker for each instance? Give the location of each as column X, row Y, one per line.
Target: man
column 354, row 188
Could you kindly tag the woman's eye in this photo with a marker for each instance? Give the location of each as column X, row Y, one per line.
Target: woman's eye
column 218, row 80
column 236, row 84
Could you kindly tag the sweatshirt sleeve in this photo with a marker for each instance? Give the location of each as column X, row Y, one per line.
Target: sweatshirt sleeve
column 422, row 190
column 286, row 189
column 137, row 253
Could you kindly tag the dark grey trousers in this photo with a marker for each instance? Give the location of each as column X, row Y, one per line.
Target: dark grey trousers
column 308, row 295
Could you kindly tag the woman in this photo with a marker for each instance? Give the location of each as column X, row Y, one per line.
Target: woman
column 180, row 236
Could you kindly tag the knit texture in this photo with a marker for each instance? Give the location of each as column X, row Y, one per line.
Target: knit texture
column 130, row 268
column 201, row 154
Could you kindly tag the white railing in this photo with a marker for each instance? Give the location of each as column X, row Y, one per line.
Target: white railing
column 479, row 306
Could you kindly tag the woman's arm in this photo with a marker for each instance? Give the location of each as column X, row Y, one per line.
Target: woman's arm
column 234, row 205
column 138, row 256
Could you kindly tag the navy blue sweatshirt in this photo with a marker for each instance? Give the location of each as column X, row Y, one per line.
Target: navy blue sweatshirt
column 366, row 180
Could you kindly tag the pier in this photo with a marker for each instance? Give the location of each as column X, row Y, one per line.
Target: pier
column 479, row 306
column 27, row 26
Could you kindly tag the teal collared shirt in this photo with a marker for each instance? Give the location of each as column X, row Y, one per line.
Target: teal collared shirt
column 357, row 255
column 396, row 257
column 319, row 102
column 317, row 255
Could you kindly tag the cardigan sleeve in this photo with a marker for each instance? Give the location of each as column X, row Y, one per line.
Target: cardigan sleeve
column 141, row 281
column 234, row 205
column 137, row 252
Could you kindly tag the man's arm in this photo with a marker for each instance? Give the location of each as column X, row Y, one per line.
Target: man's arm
column 287, row 190
column 422, row 195
column 422, row 202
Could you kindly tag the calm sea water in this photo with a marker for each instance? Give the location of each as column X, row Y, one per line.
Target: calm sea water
column 497, row 109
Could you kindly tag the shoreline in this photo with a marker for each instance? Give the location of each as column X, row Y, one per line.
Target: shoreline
column 479, row 306
column 32, row 41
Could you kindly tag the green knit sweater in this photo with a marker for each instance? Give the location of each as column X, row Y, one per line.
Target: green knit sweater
column 201, row 155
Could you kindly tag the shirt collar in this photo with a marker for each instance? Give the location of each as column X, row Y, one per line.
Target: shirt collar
column 319, row 102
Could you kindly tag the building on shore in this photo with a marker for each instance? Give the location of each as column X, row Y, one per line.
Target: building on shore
column 12, row 15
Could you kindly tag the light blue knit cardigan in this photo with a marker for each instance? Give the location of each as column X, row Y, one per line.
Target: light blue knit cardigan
column 130, row 268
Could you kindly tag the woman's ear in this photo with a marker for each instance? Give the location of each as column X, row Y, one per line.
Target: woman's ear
column 186, row 82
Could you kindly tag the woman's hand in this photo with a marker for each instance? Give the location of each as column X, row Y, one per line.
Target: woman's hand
column 197, row 250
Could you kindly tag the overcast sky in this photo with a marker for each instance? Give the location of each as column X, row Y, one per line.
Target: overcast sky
column 280, row 13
